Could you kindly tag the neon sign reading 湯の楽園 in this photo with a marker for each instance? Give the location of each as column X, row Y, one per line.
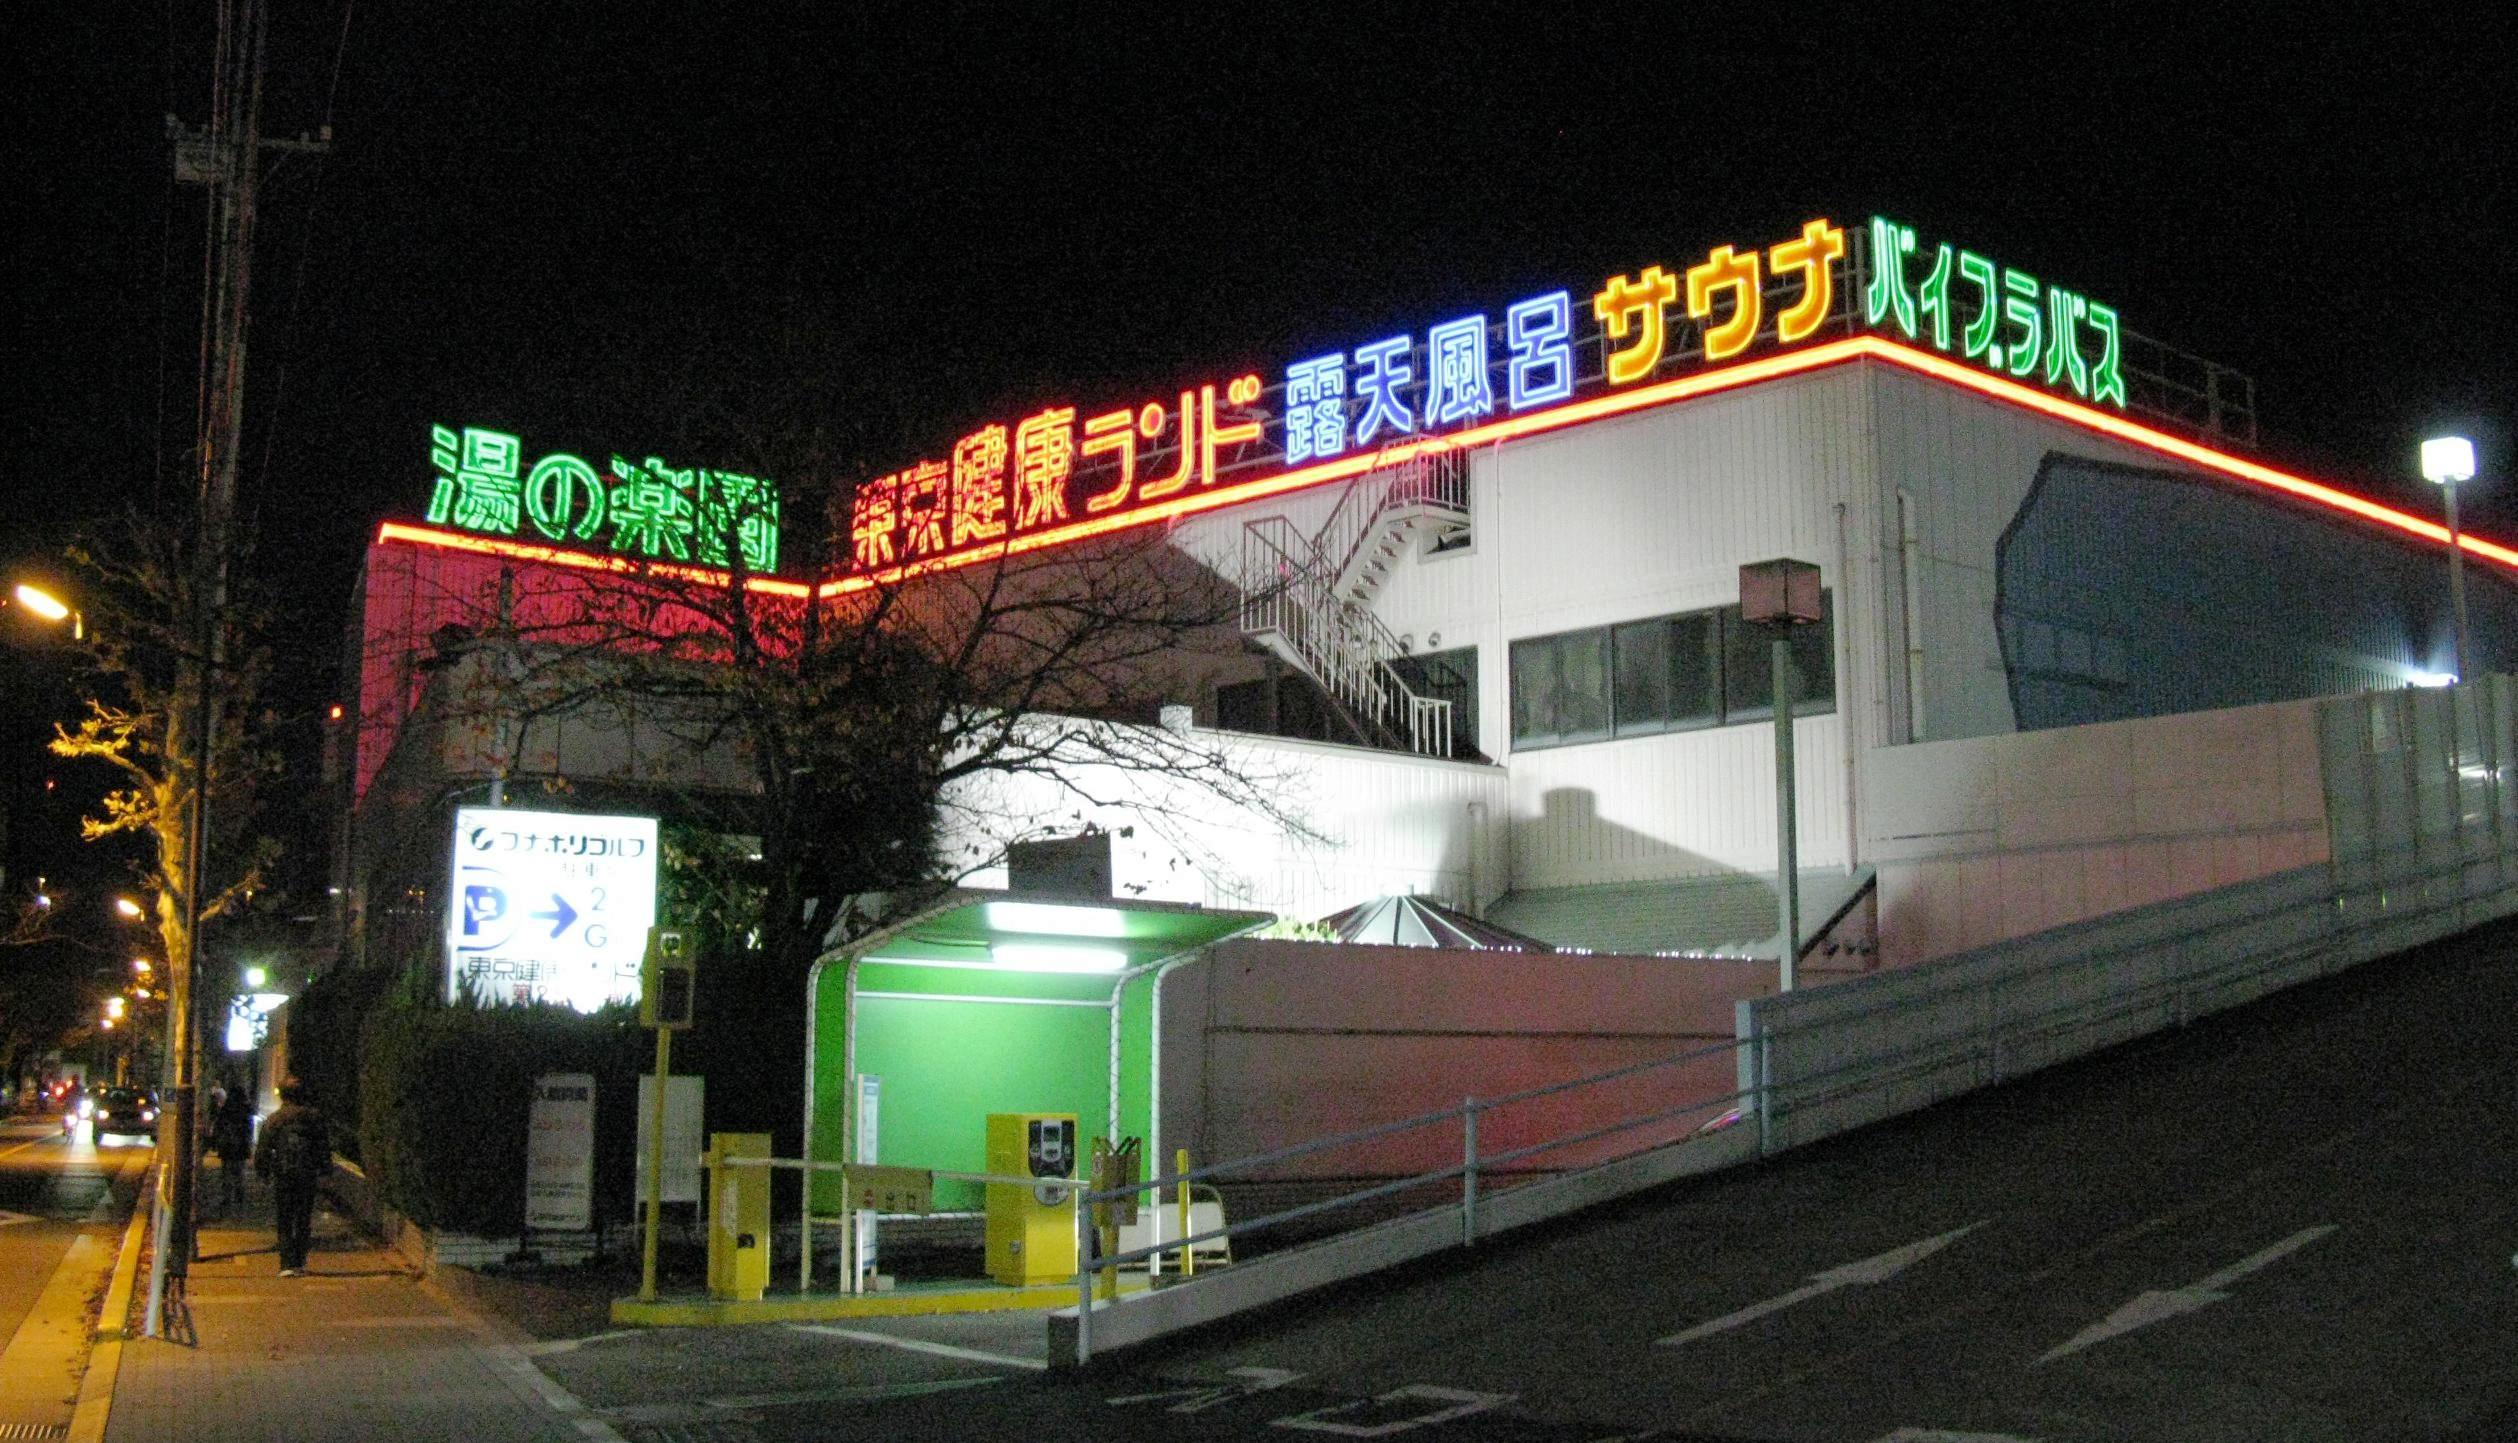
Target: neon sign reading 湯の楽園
column 2003, row 319
column 1058, row 470
column 651, row 510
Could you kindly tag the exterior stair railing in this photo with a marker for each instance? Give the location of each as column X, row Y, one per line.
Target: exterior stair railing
column 1309, row 596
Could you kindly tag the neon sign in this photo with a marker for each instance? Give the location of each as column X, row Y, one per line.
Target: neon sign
column 654, row 511
column 2003, row 320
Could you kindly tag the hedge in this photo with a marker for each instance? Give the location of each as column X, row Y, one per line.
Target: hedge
column 444, row 1095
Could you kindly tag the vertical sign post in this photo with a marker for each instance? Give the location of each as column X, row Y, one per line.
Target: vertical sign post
column 1783, row 594
column 664, row 1004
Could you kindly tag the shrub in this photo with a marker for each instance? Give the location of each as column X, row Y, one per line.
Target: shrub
column 445, row 1093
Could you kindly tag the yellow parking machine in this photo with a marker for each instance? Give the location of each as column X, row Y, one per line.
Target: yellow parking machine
column 1031, row 1230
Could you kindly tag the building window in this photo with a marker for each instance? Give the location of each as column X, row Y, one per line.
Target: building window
column 1667, row 673
column 1561, row 688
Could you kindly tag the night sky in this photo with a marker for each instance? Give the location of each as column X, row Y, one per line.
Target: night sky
column 568, row 221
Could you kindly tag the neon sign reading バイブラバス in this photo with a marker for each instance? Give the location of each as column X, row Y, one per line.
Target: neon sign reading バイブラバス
column 2002, row 319
column 648, row 509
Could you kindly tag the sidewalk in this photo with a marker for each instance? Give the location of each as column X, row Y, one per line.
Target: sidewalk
column 356, row 1349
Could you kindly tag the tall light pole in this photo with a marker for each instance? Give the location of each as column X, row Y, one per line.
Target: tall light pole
column 2446, row 461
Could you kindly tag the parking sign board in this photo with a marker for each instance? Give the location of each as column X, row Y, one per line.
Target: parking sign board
column 549, row 906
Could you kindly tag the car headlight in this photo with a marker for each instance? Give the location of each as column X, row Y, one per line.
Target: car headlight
column 148, row 1114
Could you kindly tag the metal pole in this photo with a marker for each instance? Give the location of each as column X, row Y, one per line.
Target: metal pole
column 655, row 1168
column 1083, row 1283
column 1787, row 842
column 2457, row 579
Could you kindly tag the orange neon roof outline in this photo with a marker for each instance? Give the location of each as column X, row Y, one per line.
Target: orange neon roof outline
column 583, row 560
column 1616, row 403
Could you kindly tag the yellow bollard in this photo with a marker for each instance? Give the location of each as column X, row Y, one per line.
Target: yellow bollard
column 1188, row 1253
column 738, row 1218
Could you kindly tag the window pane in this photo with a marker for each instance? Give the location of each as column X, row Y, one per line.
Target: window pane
column 1643, row 676
column 1582, row 694
column 1695, row 669
column 1534, row 684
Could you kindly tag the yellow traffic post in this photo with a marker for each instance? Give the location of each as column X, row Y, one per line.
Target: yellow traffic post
column 664, row 1003
column 1188, row 1253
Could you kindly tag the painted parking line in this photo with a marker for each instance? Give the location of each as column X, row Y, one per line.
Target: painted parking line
column 921, row 1345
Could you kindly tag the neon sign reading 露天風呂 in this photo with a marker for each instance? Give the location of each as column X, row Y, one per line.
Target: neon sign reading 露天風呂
column 1059, row 469
column 643, row 509
column 2000, row 318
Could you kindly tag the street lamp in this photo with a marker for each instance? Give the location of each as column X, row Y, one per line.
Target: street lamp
column 51, row 608
column 2447, row 460
column 127, row 907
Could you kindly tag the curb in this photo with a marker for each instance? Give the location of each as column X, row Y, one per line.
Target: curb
column 96, row 1386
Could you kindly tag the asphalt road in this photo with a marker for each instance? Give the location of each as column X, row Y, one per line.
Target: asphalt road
column 62, row 1205
column 2292, row 1223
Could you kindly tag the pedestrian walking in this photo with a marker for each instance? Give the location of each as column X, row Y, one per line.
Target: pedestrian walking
column 294, row 1153
column 232, row 1138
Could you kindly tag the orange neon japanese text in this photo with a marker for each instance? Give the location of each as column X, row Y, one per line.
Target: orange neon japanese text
column 1635, row 306
column 1814, row 255
column 979, row 486
column 1108, row 432
column 1726, row 270
column 1044, row 457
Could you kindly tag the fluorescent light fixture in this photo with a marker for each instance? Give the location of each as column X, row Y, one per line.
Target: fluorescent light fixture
column 2446, row 460
column 1057, row 921
column 52, row 608
column 1045, row 957
column 2432, row 678
column 256, row 976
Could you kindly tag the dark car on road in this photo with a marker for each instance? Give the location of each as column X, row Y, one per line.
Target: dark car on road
column 124, row 1112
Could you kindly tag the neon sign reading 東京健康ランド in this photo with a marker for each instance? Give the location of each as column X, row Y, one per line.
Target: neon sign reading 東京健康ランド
column 644, row 509
column 1059, row 472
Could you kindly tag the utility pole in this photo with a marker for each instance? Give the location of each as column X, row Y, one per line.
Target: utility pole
column 224, row 158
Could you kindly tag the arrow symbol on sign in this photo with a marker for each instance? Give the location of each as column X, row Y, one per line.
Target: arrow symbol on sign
column 2162, row 1304
column 1877, row 1269
column 560, row 915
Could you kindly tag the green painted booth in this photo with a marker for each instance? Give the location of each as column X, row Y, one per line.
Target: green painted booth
column 992, row 1002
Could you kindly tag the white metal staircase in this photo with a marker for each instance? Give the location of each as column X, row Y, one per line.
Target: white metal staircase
column 1309, row 598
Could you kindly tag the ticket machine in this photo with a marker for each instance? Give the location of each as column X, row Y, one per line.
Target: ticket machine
column 1031, row 1230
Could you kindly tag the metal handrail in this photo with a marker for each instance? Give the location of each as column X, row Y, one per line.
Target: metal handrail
column 1876, row 1070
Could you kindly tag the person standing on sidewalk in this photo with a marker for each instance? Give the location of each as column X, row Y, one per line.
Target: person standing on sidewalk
column 232, row 1138
column 294, row 1153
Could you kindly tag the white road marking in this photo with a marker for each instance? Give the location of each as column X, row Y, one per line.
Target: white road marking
column 571, row 1345
column 2161, row 1305
column 1457, row 1403
column 1198, row 1400
column 863, row 1392
column 10, row 1219
column 1947, row 1435
column 921, row 1345
column 1877, row 1269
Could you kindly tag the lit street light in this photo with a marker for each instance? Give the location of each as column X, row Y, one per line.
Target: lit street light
column 51, row 608
column 127, row 907
column 2446, row 461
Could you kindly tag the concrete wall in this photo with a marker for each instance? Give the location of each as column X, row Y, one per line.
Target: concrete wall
column 2000, row 836
column 1269, row 1043
column 1222, row 819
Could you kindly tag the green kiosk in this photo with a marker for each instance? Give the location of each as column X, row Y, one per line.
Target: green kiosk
column 985, row 1003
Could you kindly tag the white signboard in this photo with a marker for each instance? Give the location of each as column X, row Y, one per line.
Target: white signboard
column 549, row 906
column 560, row 1153
column 869, row 1117
column 683, row 1142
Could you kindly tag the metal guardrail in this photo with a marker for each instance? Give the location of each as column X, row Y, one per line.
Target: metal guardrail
column 1771, row 1100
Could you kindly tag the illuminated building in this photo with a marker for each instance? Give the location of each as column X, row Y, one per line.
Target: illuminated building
column 1490, row 568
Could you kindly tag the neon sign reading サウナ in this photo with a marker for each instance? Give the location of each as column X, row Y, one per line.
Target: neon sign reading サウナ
column 651, row 510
